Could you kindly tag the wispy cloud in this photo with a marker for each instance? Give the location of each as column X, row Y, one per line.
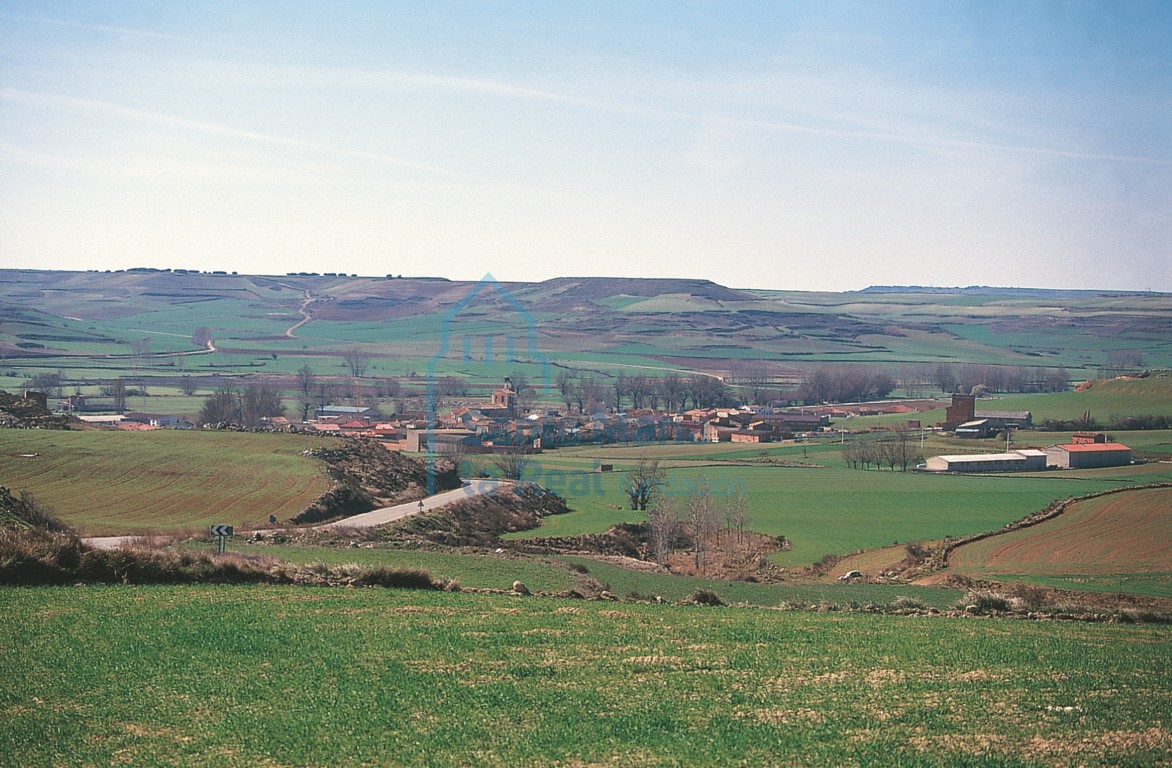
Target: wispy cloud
column 381, row 80
column 116, row 30
column 116, row 110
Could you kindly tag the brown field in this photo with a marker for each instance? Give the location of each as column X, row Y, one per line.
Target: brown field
column 1122, row 533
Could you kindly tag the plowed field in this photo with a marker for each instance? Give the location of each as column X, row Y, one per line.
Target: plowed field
column 1124, row 533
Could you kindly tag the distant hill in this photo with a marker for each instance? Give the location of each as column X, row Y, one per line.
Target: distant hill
column 156, row 323
column 986, row 290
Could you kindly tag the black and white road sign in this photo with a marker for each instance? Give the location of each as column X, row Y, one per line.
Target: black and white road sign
column 221, row 530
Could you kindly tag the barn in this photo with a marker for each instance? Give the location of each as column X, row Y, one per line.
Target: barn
column 1088, row 455
column 1014, row 461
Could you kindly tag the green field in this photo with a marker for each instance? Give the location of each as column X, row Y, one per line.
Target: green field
column 1118, row 397
column 824, row 510
column 163, row 480
column 247, row 676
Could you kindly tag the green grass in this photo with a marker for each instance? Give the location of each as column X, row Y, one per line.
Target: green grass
column 478, row 570
column 1118, row 397
column 832, row 509
column 246, row 676
column 625, row 582
column 165, row 480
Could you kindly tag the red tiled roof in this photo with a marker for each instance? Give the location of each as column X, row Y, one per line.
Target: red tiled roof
column 1093, row 447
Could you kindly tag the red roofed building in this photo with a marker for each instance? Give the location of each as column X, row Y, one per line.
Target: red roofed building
column 1088, row 455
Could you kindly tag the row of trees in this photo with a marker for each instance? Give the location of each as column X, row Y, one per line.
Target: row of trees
column 896, row 449
column 671, row 391
column 248, row 407
column 845, row 384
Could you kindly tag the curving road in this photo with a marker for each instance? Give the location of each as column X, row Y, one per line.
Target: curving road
column 478, row 487
column 399, row 511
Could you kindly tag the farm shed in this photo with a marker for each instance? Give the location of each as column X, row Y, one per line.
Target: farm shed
column 1014, row 461
column 976, row 428
column 1088, row 455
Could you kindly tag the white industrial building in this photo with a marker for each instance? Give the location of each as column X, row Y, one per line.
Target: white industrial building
column 1088, row 455
column 1025, row 460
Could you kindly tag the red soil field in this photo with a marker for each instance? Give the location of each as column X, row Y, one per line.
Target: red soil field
column 1127, row 532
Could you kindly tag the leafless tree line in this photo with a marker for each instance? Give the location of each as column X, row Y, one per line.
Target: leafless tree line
column 896, row 448
column 247, row 407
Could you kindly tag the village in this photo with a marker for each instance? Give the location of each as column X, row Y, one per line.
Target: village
column 503, row 424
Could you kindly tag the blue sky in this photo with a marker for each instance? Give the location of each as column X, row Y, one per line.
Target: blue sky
column 814, row 146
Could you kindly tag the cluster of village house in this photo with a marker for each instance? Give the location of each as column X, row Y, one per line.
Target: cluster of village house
column 500, row 422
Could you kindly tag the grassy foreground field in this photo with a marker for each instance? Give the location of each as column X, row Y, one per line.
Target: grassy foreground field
column 300, row 676
column 166, row 480
column 1121, row 542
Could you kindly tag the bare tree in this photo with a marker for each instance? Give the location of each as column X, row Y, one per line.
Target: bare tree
column 305, row 379
column 512, row 461
column 566, row 386
column 589, row 394
column 119, row 395
column 142, row 348
column 638, row 387
column 201, row 337
column 663, row 525
column 643, row 483
column 702, row 523
column 306, row 406
column 734, row 514
column 221, row 407
column 356, row 361
column 526, row 393
column 187, row 385
column 259, row 402
column 619, row 386
column 672, row 389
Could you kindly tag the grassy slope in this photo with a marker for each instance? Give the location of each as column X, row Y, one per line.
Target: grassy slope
column 283, row 676
column 1121, row 542
column 1104, row 399
column 121, row 482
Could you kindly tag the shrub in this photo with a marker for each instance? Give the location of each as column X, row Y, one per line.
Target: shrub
column 985, row 601
column 400, row 578
column 1027, row 596
column 705, row 597
column 903, row 603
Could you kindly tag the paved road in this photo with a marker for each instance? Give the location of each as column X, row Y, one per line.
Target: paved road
column 370, row 519
column 399, row 511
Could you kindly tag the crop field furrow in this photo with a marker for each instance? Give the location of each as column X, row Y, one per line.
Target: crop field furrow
column 1114, row 535
column 110, row 482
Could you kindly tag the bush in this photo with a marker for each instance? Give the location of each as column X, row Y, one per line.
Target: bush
column 705, row 597
column 985, row 601
column 1027, row 596
column 34, row 556
column 399, row 578
column 903, row 603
